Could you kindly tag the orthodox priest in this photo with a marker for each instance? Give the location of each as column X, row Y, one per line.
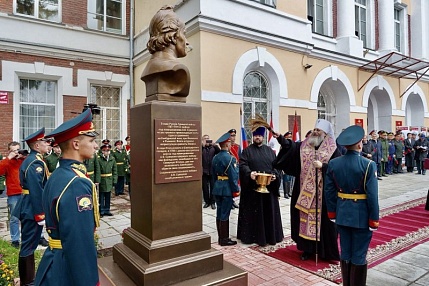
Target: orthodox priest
column 308, row 161
column 259, row 219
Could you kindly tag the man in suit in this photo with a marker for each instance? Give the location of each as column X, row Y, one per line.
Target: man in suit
column 351, row 193
column 409, row 152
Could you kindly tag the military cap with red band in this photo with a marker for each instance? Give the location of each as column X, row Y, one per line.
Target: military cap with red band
column 38, row 135
column 224, row 138
column 80, row 125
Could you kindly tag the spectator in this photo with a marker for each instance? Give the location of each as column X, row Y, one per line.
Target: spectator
column 209, row 150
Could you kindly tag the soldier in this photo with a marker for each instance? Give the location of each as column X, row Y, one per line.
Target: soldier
column 33, row 175
column 120, row 155
column 128, row 145
column 91, row 164
column 53, row 158
column 351, row 194
column 225, row 176
column 399, row 153
column 235, row 151
column 106, row 178
column 70, row 202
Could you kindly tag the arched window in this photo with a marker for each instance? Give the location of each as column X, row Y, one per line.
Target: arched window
column 326, row 106
column 256, row 98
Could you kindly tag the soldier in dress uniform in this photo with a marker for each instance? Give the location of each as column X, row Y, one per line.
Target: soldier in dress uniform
column 106, row 178
column 53, row 158
column 225, row 175
column 70, row 204
column 235, row 151
column 33, row 175
column 120, row 155
column 351, row 194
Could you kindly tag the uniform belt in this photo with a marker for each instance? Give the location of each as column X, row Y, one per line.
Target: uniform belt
column 106, row 175
column 222, row 178
column 25, row 191
column 54, row 243
column 120, row 163
column 90, row 173
column 352, row 196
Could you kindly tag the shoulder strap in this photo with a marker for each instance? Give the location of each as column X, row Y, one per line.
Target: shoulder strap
column 229, row 164
column 366, row 174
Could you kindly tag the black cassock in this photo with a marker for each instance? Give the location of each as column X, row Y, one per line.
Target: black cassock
column 289, row 160
column 259, row 219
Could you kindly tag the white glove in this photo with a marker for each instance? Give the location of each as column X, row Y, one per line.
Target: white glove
column 372, row 229
column 333, row 220
column 42, row 222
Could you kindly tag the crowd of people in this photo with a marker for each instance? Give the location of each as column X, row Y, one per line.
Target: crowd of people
column 332, row 184
column 65, row 165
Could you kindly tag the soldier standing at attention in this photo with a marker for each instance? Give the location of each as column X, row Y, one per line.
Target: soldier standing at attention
column 90, row 165
column 107, row 177
column 351, row 194
column 70, row 204
column 33, row 175
column 225, row 176
column 53, row 158
column 120, row 155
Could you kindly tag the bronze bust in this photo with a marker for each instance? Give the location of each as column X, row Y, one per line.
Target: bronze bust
column 166, row 78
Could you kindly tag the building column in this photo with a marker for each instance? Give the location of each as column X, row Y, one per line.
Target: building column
column 348, row 43
column 419, row 22
column 386, row 26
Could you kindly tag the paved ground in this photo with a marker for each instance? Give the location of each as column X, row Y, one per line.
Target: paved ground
column 409, row 268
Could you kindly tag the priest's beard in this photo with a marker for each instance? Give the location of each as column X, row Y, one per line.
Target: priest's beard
column 315, row 140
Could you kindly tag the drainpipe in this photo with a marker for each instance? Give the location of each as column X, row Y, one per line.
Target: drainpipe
column 131, row 66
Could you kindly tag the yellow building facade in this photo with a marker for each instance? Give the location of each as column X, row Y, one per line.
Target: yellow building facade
column 276, row 58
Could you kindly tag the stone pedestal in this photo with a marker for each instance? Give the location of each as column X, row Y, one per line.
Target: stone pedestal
column 165, row 244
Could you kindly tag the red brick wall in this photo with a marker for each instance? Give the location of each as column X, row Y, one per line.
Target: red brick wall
column 72, row 105
column 334, row 17
column 6, row 6
column 377, row 28
column 74, row 12
column 6, row 133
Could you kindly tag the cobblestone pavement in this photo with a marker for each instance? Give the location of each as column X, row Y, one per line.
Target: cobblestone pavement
column 409, row 268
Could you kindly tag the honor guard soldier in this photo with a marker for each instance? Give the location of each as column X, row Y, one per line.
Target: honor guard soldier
column 90, row 165
column 70, row 204
column 107, row 177
column 33, row 175
column 53, row 158
column 121, row 158
column 351, row 193
column 225, row 175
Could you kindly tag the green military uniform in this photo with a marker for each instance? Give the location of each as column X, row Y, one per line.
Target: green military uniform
column 107, row 176
column 121, row 159
column 52, row 161
column 91, row 167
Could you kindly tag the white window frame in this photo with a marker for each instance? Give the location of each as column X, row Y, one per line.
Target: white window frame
column 36, row 11
column 104, row 28
column 271, row 3
column 327, row 17
column 403, row 19
column 370, row 24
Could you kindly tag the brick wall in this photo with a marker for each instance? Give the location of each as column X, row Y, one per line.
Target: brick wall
column 6, row 6
column 74, row 12
column 72, row 105
column 6, row 110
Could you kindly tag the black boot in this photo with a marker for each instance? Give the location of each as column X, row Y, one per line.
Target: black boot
column 358, row 274
column 224, row 234
column 286, row 190
column 345, row 272
column 26, row 269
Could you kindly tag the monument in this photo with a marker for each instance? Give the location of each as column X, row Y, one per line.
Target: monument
column 165, row 244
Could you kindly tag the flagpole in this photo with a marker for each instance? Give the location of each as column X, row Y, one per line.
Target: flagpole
column 317, row 203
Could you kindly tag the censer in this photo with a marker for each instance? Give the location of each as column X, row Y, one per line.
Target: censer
column 263, row 180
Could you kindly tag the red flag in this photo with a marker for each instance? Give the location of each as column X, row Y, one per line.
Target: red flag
column 295, row 133
column 270, row 135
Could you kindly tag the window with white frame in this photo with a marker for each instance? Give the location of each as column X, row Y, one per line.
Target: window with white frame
column 361, row 21
column 42, row 9
column 315, row 15
column 271, row 3
column 256, row 99
column 326, row 107
column 37, row 106
column 106, row 15
column 397, row 29
column 108, row 122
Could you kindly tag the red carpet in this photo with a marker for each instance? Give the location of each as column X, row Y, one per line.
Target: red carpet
column 401, row 228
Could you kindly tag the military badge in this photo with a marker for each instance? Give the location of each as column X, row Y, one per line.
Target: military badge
column 84, row 203
column 39, row 170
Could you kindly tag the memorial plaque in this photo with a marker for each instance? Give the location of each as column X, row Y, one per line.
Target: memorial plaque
column 177, row 151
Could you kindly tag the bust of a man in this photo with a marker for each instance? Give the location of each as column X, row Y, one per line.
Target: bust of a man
column 166, row 78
